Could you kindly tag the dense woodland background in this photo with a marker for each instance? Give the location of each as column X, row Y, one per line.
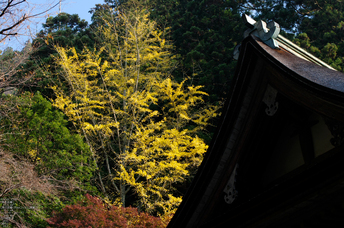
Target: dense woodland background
column 109, row 121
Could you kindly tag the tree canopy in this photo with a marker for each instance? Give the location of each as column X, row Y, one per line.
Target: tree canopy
column 132, row 114
column 139, row 88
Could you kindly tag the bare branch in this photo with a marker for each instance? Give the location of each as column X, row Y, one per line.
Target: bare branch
column 18, row 174
column 14, row 14
column 10, row 65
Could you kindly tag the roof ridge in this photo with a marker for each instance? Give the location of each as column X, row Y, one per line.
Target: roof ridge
column 300, row 52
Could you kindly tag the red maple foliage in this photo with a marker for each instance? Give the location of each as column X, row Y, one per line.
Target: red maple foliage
column 93, row 213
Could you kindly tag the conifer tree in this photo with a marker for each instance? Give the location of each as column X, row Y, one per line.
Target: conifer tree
column 321, row 33
column 65, row 30
column 316, row 26
column 205, row 34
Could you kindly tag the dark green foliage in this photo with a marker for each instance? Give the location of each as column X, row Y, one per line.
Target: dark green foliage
column 318, row 25
column 63, row 22
column 99, row 13
column 39, row 133
column 7, row 57
column 205, row 34
column 325, row 31
column 7, row 53
column 288, row 13
column 64, row 30
column 33, row 208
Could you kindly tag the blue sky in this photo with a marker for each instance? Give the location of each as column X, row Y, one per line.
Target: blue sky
column 80, row 7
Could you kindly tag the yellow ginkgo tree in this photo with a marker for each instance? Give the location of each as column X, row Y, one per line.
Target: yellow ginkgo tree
column 140, row 125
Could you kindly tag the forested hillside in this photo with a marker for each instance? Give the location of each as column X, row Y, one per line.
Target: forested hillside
column 105, row 124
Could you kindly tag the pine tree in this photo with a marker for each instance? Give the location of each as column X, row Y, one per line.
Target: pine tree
column 321, row 33
column 205, row 34
column 64, row 30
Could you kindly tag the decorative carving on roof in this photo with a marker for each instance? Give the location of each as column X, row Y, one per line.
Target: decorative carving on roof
column 230, row 192
column 270, row 100
column 267, row 32
column 236, row 52
column 337, row 131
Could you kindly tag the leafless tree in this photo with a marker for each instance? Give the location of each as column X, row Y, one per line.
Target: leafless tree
column 10, row 62
column 14, row 14
column 16, row 173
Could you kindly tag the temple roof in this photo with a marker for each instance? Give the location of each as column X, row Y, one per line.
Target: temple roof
column 324, row 77
column 289, row 46
column 271, row 30
column 310, row 84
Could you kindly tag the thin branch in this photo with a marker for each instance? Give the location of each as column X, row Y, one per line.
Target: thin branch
column 7, row 31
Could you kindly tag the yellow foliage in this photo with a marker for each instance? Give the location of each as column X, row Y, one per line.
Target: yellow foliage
column 132, row 114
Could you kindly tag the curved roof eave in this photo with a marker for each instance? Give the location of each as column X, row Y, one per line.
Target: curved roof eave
column 299, row 52
column 323, row 77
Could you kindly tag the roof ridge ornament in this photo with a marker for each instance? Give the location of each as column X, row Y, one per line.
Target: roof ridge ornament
column 266, row 32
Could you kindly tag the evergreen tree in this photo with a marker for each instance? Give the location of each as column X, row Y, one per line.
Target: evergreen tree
column 38, row 132
column 42, row 164
column 321, row 33
column 205, row 34
column 289, row 14
column 64, row 30
column 316, row 26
